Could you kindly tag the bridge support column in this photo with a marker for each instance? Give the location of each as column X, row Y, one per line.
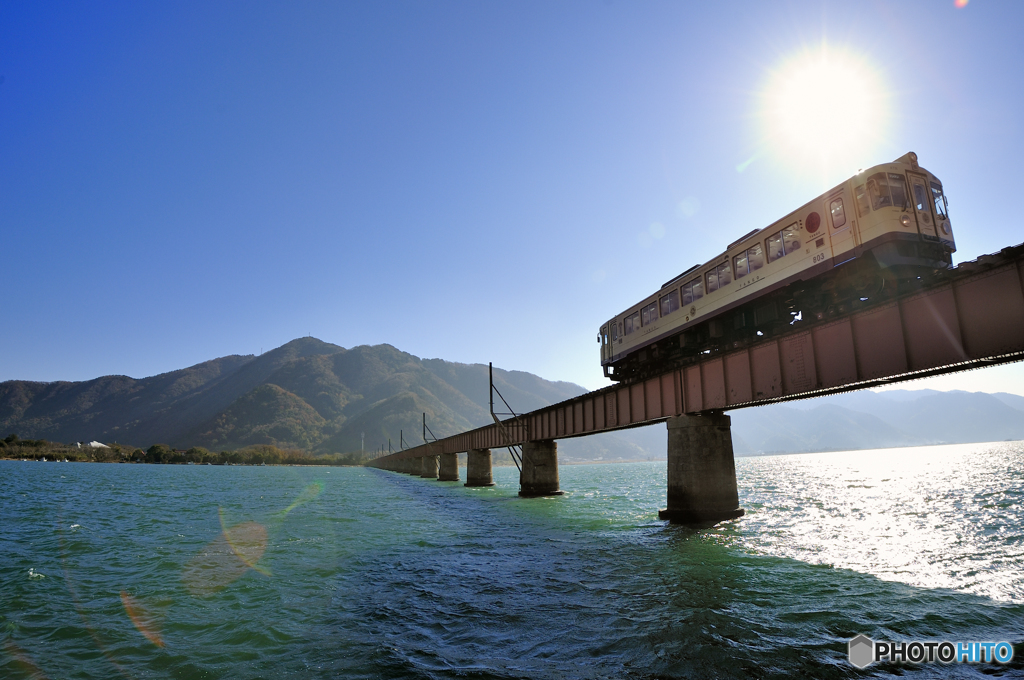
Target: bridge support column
column 478, row 468
column 449, row 470
column 430, row 464
column 701, row 471
column 413, row 466
column 540, row 469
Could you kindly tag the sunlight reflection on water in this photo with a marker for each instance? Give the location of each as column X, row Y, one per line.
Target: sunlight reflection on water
column 936, row 517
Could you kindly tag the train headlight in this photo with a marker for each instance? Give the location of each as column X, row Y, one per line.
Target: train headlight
column 905, row 220
column 945, row 228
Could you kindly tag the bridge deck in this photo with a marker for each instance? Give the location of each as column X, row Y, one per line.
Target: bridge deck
column 972, row 318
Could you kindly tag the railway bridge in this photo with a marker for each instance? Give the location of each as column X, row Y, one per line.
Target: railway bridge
column 971, row 317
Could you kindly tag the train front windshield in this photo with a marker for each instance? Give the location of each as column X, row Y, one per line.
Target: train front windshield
column 941, row 207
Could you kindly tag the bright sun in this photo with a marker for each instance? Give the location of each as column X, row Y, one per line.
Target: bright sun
column 826, row 109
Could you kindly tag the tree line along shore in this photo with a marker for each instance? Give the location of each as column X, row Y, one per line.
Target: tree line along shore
column 14, row 448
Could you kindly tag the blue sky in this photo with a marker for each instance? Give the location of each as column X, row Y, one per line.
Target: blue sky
column 471, row 181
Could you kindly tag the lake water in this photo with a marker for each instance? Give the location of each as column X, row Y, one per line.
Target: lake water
column 132, row 571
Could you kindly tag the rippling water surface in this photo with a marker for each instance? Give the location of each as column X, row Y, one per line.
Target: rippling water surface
column 138, row 571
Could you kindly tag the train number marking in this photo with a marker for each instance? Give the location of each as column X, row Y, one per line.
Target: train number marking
column 820, row 257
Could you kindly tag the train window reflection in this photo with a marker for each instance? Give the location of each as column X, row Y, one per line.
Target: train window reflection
column 838, row 213
column 724, row 274
column 920, row 198
column 712, row 280
column 693, row 291
column 739, row 265
column 790, row 238
column 649, row 314
column 878, row 189
column 755, row 257
column 632, row 322
column 898, row 187
column 669, row 303
column 719, row 277
column 862, row 201
column 774, row 244
column 941, row 207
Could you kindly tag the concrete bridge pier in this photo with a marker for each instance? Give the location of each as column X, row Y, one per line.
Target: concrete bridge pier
column 540, row 469
column 449, row 469
column 701, row 471
column 430, row 465
column 478, row 468
column 413, row 466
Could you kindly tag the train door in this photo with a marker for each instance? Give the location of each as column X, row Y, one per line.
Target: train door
column 841, row 225
column 922, row 200
column 603, row 339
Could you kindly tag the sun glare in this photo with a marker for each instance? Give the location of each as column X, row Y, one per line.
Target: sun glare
column 825, row 109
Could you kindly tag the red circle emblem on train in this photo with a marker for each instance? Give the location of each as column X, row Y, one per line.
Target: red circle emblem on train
column 813, row 222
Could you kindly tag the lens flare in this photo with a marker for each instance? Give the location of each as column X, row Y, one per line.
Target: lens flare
column 226, row 558
column 236, row 550
column 824, row 108
column 23, row 662
column 143, row 621
column 306, row 495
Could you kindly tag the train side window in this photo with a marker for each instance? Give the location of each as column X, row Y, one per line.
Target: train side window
column 774, row 244
column 862, row 201
column 791, row 239
column 941, row 207
column 698, row 288
column 898, row 187
column 614, row 336
column 755, row 257
column 712, row 277
column 649, row 314
column 878, row 189
column 669, row 303
column 632, row 322
column 724, row 274
column 693, row 291
column 838, row 214
column 739, row 265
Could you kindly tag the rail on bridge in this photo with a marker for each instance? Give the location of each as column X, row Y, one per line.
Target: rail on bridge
column 970, row 318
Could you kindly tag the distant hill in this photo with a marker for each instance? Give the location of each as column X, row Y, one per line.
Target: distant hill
column 866, row 420
column 306, row 394
column 323, row 398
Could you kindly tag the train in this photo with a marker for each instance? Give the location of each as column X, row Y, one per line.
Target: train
column 872, row 236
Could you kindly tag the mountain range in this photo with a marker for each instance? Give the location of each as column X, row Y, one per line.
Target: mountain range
column 323, row 398
column 307, row 394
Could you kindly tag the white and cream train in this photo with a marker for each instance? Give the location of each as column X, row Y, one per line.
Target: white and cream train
column 872, row 234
